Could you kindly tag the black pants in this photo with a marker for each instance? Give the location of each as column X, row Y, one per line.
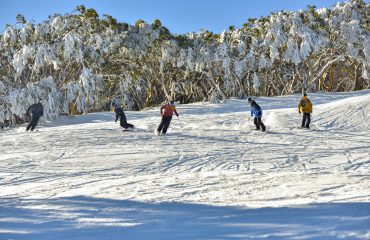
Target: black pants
column 165, row 123
column 124, row 124
column 33, row 123
column 259, row 124
column 306, row 120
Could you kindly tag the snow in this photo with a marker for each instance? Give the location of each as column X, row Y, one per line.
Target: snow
column 211, row 177
column 256, row 82
column 21, row 58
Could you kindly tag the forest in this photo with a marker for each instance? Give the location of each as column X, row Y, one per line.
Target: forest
column 79, row 62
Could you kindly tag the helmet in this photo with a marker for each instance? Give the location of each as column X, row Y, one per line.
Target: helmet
column 249, row 99
column 172, row 103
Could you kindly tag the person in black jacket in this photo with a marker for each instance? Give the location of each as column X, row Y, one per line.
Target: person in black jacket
column 36, row 111
column 122, row 118
column 256, row 111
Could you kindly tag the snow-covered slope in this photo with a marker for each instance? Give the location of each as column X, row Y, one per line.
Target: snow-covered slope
column 211, row 177
column 346, row 114
column 349, row 114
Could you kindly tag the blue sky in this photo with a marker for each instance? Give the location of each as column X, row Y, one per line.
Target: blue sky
column 179, row 16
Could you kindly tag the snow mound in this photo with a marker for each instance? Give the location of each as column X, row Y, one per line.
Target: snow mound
column 350, row 113
column 102, row 117
column 282, row 118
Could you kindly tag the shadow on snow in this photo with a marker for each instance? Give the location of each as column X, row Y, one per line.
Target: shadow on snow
column 94, row 218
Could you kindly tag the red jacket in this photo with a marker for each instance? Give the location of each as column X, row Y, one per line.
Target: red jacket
column 168, row 110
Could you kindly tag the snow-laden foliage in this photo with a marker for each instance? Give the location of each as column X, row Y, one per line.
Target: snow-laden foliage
column 21, row 59
column 256, row 82
column 10, row 36
column 87, row 61
column 44, row 91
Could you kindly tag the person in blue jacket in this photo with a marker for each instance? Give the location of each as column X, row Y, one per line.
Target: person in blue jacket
column 256, row 111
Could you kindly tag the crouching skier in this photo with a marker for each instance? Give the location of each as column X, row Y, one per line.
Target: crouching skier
column 256, row 111
column 36, row 111
column 122, row 118
column 166, row 112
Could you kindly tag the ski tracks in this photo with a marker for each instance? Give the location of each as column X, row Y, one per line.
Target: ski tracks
column 210, row 158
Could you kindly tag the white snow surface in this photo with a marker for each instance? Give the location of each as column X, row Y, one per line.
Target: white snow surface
column 210, row 177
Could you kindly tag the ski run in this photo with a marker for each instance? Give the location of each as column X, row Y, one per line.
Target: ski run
column 210, row 177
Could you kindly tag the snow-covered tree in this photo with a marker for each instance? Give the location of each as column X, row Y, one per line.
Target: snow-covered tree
column 88, row 60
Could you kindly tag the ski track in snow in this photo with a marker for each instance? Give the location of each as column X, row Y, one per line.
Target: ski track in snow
column 210, row 157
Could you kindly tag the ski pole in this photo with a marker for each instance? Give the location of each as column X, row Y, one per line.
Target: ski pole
column 180, row 123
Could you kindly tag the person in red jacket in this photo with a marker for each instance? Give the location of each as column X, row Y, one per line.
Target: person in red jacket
column 166, row 111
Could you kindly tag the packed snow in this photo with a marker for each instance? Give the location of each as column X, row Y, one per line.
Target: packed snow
column 211, row 177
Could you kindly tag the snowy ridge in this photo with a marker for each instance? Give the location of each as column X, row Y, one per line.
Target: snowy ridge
column 210, row 170
column 352, row 114
column 349, row 114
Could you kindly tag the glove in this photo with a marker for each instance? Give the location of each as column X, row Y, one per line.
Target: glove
column 177, row 115
column 299, row 112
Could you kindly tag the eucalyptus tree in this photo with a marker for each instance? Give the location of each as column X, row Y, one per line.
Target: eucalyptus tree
column 87, row 60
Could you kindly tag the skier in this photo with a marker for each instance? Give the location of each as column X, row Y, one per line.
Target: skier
column 122, row 118
column 36, row 111
column 305, row 106
column 256, row 111
column 166, row 112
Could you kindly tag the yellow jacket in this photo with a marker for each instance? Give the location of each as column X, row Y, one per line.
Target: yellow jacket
column 305, row 105
column 73, row 108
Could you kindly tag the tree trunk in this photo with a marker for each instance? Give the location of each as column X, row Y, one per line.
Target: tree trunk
column 249, row 84
column 331, row 73
column 240, row 83
column 163, row 83
column 356, row 79
column 216, row 85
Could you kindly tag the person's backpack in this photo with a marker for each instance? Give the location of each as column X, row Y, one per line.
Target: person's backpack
column 303, row 103
column 118, row 111
column 38, row 110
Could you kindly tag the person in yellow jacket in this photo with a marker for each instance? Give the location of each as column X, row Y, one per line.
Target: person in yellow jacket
column 305, row 106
